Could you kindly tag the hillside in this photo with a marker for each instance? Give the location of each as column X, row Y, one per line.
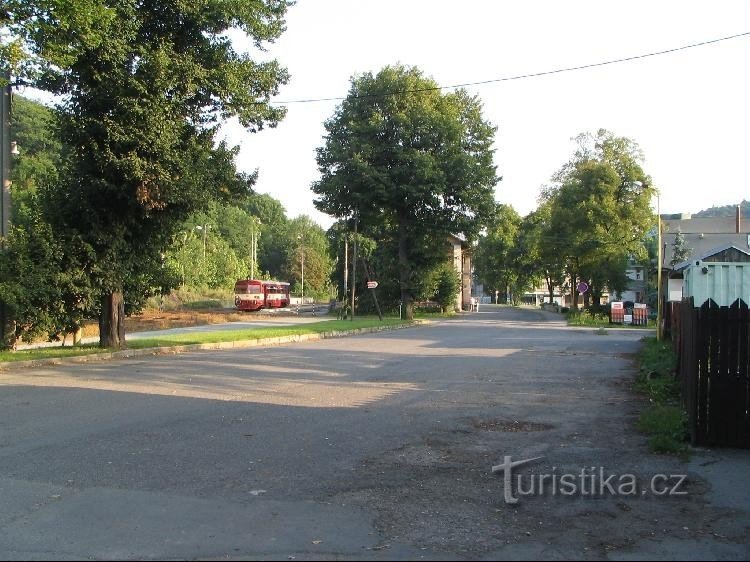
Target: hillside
column 725, row 211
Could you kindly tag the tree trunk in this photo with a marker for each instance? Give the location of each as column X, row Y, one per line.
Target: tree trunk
column 112, row 320
column 404, row 270
column 551, row 289
column 596, row 295
column 574, row 282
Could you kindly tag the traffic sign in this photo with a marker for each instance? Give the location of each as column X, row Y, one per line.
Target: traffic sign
column 582, row 287
column 372, row 284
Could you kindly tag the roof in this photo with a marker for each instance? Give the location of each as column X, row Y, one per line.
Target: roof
column 703, row 244
column 710, row 253
column 706, row 225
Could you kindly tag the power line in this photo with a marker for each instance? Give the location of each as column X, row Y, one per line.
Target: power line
column 528, row 75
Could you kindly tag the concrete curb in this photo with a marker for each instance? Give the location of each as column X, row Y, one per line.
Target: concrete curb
column 174, row 350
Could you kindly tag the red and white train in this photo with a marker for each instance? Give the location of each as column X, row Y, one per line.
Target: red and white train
column 253, row 294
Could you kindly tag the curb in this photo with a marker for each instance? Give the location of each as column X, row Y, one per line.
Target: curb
column 217, row 346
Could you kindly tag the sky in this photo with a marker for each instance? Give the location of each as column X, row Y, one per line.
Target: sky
column 689, row 111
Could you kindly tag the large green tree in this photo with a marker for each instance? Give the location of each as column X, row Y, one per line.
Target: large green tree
column 306, row 243
column 34, row 129
column 406, row 158
column 600, row 212
column 274, row 232
column 145, row 84
column 43, row 276
column 495, row 261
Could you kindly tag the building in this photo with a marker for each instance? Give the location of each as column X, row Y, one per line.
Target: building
column 707, row 239
column 722, row 275
column 637, row 288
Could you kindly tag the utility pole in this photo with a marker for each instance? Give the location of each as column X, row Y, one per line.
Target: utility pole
column 301, row 240
column 346, row 266
column 254, row 234
column 354, row 264
column 7, row 329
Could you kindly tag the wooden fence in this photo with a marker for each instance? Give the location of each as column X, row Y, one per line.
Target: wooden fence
column 713, row 368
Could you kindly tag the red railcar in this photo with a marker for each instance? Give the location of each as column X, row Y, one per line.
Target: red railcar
column 253, row 294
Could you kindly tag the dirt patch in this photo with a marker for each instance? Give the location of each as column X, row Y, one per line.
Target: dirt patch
column 154, row 319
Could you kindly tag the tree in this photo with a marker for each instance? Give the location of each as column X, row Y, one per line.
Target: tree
column 307, row 242
column 447, row 285
column 33, row 127
column 43, row 274
column 146, row 82
column 274, row 227
column 681, row 252
column 600, row 212
column 496, row 261
column 411, row 161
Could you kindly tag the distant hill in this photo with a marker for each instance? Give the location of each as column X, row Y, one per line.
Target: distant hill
column 725, row 211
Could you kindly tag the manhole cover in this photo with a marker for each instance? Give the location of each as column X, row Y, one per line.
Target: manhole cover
column 511, row 425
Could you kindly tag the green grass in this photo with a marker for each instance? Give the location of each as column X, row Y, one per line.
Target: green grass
column 50, row 353
column 666, row 426
column 205, row 337
column 588, row 319
column 664, row 419
column 262, row 333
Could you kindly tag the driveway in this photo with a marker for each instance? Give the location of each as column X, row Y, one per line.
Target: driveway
column 369, row 447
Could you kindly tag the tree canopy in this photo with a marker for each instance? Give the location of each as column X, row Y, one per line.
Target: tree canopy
column 600, row 212
column 145, row 84
column 412, row 164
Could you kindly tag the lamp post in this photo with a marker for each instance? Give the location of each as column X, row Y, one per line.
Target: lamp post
column 659, row 305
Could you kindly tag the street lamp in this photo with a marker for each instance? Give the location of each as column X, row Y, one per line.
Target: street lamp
column 659, row 305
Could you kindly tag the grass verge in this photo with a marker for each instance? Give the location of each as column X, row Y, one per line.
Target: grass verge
column 191, row 338
column 51, row 353
column 264, row 333
column 664, row 419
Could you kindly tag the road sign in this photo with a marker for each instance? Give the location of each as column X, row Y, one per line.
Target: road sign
column 582, row 287
column 372, row 284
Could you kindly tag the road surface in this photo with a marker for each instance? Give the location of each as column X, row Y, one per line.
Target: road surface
column 369, row 447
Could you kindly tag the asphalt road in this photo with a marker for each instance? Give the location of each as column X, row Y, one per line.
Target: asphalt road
column 367, row 447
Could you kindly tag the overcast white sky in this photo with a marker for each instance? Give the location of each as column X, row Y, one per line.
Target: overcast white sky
column 689, row 111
